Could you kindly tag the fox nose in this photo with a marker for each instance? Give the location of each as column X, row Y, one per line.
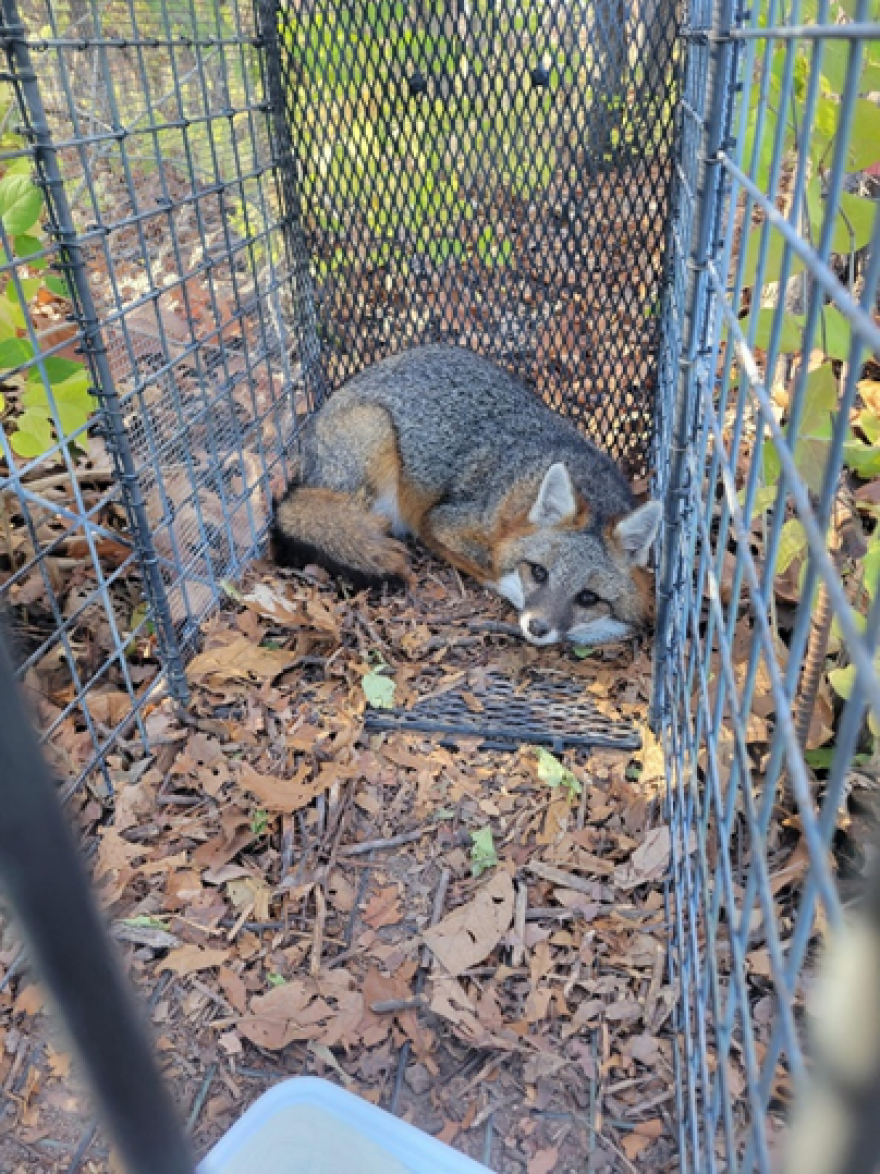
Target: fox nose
column 538, row 628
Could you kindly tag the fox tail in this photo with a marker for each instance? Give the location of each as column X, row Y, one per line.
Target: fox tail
column 335, row 531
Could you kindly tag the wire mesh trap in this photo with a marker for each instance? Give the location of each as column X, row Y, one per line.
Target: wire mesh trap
column 546, row 711
column 662, row 216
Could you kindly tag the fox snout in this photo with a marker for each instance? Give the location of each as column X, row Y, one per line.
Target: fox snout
column 605, row 630
column 537, row 630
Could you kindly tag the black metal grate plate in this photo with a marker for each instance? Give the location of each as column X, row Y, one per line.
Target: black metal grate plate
column 547, row 712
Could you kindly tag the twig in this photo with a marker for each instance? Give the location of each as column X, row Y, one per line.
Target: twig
column 365, row 846
column 520, row 908
column 14, row 966
column 496, row 627
column 85, row 1143
column 38, row 484
column 318, row 939
column 424, row 967
column 201, row 1097
column 557, row 876
column 654, row 985
column 389, row 1006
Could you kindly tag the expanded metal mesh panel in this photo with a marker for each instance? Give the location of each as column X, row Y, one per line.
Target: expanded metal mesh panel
column 768, row 623
column 491, row 174
column 544, row 710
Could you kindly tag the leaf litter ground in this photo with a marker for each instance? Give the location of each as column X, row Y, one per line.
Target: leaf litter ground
column 295, row 894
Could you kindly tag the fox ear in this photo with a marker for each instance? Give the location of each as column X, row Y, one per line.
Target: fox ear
column 637, row 531
column 556, row 501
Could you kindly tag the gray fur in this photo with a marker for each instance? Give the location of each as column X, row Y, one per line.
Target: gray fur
column 466, row 429
column 478, row 447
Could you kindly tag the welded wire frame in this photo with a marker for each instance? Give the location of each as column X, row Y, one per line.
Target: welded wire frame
column 490, row 174
column 745, row 489
column 148, row 129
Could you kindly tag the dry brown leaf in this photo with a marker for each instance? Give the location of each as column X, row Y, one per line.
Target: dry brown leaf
column 869, row 389
column 556, row 820
column 632, row 1144
column 59, row 1063
column 190, row 958
column 648, row 863
column 266, row 601
column 240, row 660
column 469, row 934
column 233, row 988
column 110, row 708
column 651, row 756
column 450, row 1002
column 544, row 1161
column 298, row 1010
column 383, row 908
column 654, row 1128
column 287, row 795
column 30, row 1001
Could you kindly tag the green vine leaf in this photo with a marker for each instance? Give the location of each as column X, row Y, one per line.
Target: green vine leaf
column 14, row 352
column 20, row 203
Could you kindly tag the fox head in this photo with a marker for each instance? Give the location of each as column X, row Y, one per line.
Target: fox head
column 571, row 580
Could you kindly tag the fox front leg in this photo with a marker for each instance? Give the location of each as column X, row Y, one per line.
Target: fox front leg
column 464, row 546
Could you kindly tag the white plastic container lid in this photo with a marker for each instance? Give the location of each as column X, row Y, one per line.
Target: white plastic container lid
column 310, row 1126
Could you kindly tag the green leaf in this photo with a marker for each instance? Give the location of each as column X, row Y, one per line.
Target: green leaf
column 20, row 203
column 58, row 286
column 770, row 463
column 71, row 416
column 582, row 651
column 33, row 437
column 2, row 403
column 863, row 459
column 790, row 335
column 759, row 163
column 774, row 258
column 871, row 569
column 850, row 7
column 835, row 65
column 820, row 759
column 142, row 921
column 842, row 680
column 834, row 334
column 26, row 246
column 870, row 425
column 276, row 979
column 483, row 854
column 28, row 287
column 855, row 223
column 552, row 772
column 764, row 497
column 792, row 544
column 814, row 430
column 14, row 352
column 57, row 370
column 36, row 399
column 864, row 143
column 378, row 690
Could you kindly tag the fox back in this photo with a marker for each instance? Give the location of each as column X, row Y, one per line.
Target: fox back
column 441, row 443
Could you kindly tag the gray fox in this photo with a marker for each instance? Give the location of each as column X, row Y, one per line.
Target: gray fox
column 442, row 444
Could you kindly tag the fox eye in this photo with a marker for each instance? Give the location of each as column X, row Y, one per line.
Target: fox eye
column 586, row 598
column 539, row 573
